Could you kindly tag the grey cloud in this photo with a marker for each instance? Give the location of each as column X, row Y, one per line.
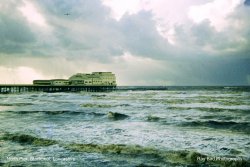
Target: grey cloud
column 218, row 71
column 90, row 35
column 79, row 10
column 87, row 32
column 90, row 32
column 227, row 63
column 15, row 35
column 247, row 2
column 233, row 41
column 201, row 71
column 142, row 38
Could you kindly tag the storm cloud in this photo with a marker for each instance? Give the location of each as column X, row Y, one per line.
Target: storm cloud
column 138, row 47
column 247, row 2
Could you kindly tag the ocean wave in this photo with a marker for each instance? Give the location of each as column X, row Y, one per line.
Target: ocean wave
column 224, row 101
column 220, row 117
column 57, row 112
column 209, row 109
column 152, row 118
column 117, row 116
column 27, row 139
column 93, row 105
column 16, row 104
column 98, row 96
column 110, row 115
column 231, row 125
column 233, row 102
column 173, row 158
column 231, row 150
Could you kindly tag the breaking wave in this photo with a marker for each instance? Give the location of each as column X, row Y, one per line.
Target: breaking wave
column 58, row 112
column 209, row 109
column 16, row 104
column 234, row 126
column 93, row 105
column 117, row 116
column 152, row 118
column 27, row 139
column 127, row 128
column 179, row 158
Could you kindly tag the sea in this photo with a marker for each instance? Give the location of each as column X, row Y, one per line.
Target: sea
column 127, row 127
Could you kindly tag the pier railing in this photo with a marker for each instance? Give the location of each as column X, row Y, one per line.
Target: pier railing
column 5, row 89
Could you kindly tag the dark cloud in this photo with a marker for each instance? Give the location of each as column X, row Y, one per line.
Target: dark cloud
column 202, row 38
column 247, row 2
column 90, row 31
column 201, row 55
column 87, row 10
column 87, row 32
column 15, row 35
column 142, row 38
column 216, row 71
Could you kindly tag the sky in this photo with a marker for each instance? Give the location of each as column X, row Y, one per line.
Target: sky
column 144, row 42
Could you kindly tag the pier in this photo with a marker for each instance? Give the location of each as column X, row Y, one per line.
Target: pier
column 5, row 89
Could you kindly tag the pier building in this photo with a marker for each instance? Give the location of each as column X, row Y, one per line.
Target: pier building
column 96, row 81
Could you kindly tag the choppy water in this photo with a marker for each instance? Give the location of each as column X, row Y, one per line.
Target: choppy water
column 175, row 127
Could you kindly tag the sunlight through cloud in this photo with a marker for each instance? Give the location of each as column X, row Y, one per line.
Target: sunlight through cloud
column 32, row 14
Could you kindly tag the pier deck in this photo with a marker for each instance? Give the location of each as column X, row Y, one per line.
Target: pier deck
column 13, row 88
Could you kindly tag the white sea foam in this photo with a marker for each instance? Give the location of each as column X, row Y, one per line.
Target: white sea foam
column 91, row 124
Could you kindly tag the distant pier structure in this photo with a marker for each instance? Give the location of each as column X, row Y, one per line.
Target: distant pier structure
column 94, row 82
column 4, row 89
